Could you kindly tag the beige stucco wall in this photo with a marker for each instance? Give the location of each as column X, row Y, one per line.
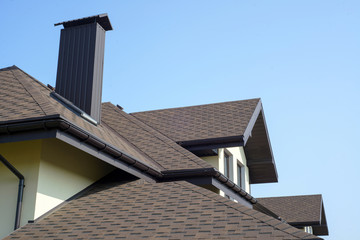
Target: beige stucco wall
column 25, row 157
column 238, row 155
column 53, row 170
column 64, row 171
column 213, row 160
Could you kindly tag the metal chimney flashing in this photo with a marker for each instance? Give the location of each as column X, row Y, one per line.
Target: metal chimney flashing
column 101, row 19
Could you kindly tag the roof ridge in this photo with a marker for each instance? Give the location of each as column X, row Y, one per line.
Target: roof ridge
column 254, row 216
column 131, row 118
column 9, row 68
column 303, row 195
column 27, row 88
column 199, row 105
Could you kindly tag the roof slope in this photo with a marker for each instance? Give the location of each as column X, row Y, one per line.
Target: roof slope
column 137, row 210
column 22, row 98
column 155, row 145
column 305, row 210
column 209, row 121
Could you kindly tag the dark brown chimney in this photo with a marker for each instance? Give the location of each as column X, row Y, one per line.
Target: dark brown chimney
column 81, row 61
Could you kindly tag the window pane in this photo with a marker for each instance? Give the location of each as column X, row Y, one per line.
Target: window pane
column 226, row 165
column 239, row 180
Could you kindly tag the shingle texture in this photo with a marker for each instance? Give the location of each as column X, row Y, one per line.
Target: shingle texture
column 295, row 209
column 201, row 122
column 139, row 210
column 23, row 97
column 167, row 153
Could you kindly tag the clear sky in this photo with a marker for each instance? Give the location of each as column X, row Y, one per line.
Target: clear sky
column 302, row 57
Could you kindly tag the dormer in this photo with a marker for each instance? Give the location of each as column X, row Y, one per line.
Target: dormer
column 231, row 136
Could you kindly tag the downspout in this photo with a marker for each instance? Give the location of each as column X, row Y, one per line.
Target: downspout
column 20, row 190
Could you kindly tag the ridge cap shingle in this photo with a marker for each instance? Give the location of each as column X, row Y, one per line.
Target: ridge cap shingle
column 195, row 106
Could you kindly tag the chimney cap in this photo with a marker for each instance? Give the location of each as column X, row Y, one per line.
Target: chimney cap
column 101, row 19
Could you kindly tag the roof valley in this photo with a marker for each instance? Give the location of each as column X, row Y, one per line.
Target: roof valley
column 130, row 143
column 162, row 138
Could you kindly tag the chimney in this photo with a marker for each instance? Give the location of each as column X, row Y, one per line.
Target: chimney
column 81, row 62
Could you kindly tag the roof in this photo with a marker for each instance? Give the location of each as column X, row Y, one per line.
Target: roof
column 133, row 209
column 305, row 210
column 201, row 122
column 23, row 98
column 98, row 213
column 155, row 145
column 205, row 127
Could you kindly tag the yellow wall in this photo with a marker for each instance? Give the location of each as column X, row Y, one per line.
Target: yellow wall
column 25, row 157
column 53, row 170
column 213, row 160
column 238, row 155
column 64, row 171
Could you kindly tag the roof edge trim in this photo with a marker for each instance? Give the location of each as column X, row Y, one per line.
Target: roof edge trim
column 184, row 174
column 251, row 124
column 82, row 136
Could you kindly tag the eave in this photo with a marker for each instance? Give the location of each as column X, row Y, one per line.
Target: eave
column 256, row 143
column 55, row 126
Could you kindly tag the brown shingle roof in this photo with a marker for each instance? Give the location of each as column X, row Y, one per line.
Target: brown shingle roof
column 136, row 210
column 165, row 151
column 209, row 121
column 295, row 209
column 23, row 97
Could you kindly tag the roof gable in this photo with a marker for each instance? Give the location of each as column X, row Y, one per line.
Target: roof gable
column 304, row 210
column 208, row 121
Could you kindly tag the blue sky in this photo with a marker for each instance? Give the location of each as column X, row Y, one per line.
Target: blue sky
column 301, row 57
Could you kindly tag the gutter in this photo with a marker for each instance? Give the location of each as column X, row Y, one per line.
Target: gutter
column 210, row 172
column 20, row 190
column 57, row 122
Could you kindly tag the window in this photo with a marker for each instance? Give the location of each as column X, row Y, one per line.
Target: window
column 239, row 175
column 228, row 166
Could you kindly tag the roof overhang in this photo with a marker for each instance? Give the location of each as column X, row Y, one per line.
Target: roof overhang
column 319, row 227
column 55, row 126
column 299, row 211
column 256, row 143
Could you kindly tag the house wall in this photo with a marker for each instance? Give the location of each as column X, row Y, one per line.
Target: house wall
column 54, row 171
column 213, row 160
column 25, row 157
column 64, row 171
column 237, row 154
